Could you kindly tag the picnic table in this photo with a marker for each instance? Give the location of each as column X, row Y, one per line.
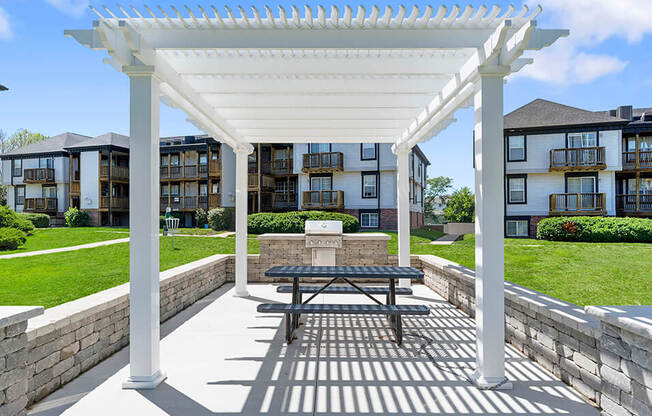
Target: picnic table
column 297, row 307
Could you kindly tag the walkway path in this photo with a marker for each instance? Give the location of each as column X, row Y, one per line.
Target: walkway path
column 446, row 239
column 97, row 244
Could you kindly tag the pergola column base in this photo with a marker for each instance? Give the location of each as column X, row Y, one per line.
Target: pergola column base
column 144, row 383
column 491, row 383
column 241, row 294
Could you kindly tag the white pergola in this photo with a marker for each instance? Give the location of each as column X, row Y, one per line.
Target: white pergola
column 381, row 76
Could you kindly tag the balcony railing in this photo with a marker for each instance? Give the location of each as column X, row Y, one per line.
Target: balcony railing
column 75, row 187
column 117, row 202
column 213, row 200
column 323, row 200
column 585, row 158
column 191, row 202
column 284, row 200
column 117, row 172
column 630, row 204
column 643, row 161
column 38, row 175
column 267, row 181
column 40, row 205
column 323, row 162
column 578, row 204
column 282, row 166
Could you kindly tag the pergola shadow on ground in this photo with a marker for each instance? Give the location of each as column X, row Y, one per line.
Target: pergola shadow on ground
column 227, row 359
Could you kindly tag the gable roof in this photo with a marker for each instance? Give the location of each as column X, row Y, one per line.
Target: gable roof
column 544, row 113
column 107, row 139
column 54, row 144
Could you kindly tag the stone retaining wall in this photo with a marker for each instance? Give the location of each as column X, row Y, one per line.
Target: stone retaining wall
column 71, row 338
column 625, row 359
column 556, row 334
column 13, row 358
column 606, row 364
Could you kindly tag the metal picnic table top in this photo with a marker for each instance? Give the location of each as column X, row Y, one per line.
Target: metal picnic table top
column 367, row 272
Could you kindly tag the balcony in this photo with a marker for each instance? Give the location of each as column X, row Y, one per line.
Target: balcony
column 213, row 200
column 117, row 172
column 323, row 162
column 578, row 204
column 253, row 181
column 323, row 200
column 191, row 202
column 40, row 205
column 282, row 166
column 585, row 158
column 641, row 159
column 117, row 202
column 631, row 204
column 38, row 175
column 75, row 187
column 284, row 201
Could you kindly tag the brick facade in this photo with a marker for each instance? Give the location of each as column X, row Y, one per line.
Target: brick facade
column 534, row 221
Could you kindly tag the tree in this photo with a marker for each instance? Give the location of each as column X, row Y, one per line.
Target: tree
column 436, row 188
column 460, row 206
column 20, row 138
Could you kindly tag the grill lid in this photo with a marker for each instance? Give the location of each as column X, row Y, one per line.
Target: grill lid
column 323, row 227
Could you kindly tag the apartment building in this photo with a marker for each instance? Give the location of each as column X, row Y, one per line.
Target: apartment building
column 198, row 172
column 562, row 160
column 37, row 176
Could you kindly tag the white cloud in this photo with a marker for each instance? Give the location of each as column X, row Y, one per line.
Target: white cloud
column 74, row 8
column 591, row 22
column 5, row 26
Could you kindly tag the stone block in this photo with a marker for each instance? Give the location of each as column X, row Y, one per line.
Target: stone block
column 15, row 329
column 637, row 340
column 70, row 373
column 585, row 362
column 610, row 359
column 634, row 406
column 13, row 344
column 63, row 366
column 590, row 379
column 89, row 340
column 615, row 377
column 15, row 408
column 47, row 362
column 9, row 378
column 611, row 391
column 570, row 367
column 584, row 388
column 636, row 372
column 642, row 357
column 642, row 393
column 16, row 359
column 69, row 350
column 612, row 408
column 84, row 331
column 15, row 391
column 615, row 345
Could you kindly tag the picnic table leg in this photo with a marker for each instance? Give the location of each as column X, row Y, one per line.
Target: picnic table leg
column 391, row 300
column 296, row 299
column 399, row 330
column 288, row 328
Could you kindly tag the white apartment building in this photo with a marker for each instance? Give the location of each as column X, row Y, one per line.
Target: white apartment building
column 562, row 161
column 92, row 174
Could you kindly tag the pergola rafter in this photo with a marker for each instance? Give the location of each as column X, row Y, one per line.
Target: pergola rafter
column 317, row 75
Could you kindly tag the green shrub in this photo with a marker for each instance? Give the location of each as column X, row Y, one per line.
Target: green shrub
column 11, row 238
column 10, row 219
column 460, row 207
column 39, row 220
column 77, row 218
column 294, row 222
column 201, row 217
column 595, row 229
column 219, row 219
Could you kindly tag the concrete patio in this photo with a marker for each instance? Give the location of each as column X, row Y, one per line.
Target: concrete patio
column 222, row 357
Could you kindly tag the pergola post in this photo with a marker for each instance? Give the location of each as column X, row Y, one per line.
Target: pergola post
column 241, row 191
column 403, row 205
column 489, row 229
column 144, row 322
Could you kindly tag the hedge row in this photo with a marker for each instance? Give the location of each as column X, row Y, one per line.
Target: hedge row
column 39, row 220
column 595, row 229
column 10, row 219
column 294, row 222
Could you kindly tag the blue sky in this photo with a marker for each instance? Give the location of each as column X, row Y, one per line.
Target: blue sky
column 56, row 85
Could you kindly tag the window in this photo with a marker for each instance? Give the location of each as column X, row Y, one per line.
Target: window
column 320, row 147
column 368, row 151
column 369, row 219
column 18, row 167
column 578, row 140
column 46, row 162
column 216, row 188
column 174, row 190
column 516, row 189
column 203, row 189
column 517, row 228
column 174, row 160
column 164, row 161
column 369, row 185
column 49, row 191
column 281, row 154
column 20, row 195
column 321, row 183
column 516, row 149
column 203, row 158
column 164, row 190
column 281, row 186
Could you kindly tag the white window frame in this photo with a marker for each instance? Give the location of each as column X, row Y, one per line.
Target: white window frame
column 374, row 185
column 510, row 148
column 366, row 219
column 364, row 147
column 524, row 231
column 511, row 200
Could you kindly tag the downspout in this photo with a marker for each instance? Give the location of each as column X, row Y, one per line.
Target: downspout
column 110, row 190
column 208, row 174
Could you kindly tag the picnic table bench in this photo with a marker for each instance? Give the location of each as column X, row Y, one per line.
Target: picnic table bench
column 297, row 307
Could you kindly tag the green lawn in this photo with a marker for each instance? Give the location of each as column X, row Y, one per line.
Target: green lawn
column 580, row 273
column 52, row 279
column 47, row 238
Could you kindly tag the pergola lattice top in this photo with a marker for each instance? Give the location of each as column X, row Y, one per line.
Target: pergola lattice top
column 345, row 76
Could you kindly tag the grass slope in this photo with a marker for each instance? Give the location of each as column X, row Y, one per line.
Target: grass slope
column 52, row 279
column 47, row 238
